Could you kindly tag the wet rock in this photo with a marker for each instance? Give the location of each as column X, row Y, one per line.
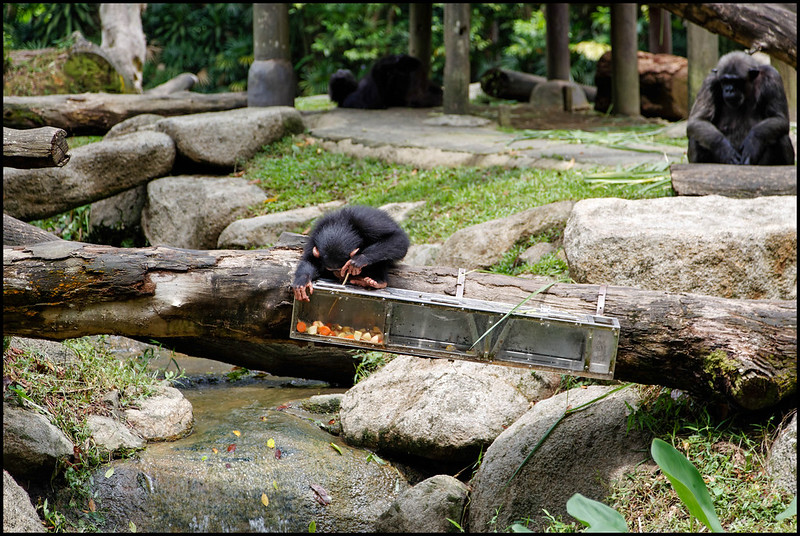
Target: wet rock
column 191, row 211
column 427, row 507
column 583, row 454
column 166, row 415
column 482, row 245
column 322, row 403
column 782, row 462
column 19, row 515
column 732, row 248
column 438, row 409
column 31, row 445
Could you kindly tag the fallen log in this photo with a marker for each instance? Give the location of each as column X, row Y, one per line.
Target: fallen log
column 35, row 148
column 733, row 181
column 770, row 28
column 182, row 82
column 18, row 233
column 508, row 84
column 95, row 113
column 235, row 306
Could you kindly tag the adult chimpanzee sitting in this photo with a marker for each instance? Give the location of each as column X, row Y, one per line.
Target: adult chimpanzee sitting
column 396, row 80
column 740, row 115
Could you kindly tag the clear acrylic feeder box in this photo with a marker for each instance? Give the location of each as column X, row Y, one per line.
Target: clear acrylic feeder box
column 433, row 325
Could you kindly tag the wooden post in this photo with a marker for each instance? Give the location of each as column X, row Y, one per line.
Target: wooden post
column 271, row 80
column 456, row 64
column 557, row 17
column 702, row 51
column 625, row 98
column 419, row 34
column 659, row 34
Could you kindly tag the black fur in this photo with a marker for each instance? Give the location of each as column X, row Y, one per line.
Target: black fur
column 396, row 80
column 740, row 115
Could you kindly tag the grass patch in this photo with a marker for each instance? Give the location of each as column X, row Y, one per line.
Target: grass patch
column 296, row 172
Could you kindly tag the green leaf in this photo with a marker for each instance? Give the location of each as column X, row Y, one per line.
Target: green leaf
column 110, row 472
column 688, row 483
column 595, row 515
column 312, row 526
column 790, row 511
column 337, row 448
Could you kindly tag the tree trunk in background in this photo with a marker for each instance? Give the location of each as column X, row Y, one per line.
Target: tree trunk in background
column 557, row 17
column 124, row 41
column 456, row 65
column 771, row 28
column 419, row 34
column 271, row 80
column 702, row 51
column 625, row 97
column 235, row 306
column 659, row 34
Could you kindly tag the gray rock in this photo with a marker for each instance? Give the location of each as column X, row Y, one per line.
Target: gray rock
column 53, row 351
column 19, row 515
column 422, row 254
column 31, row 445
column 118, row 217
column 122, row 162
column 732, row 248
column 400, row 211
column 438, row 409
column 262, row 231
column 426, row 507
column 482, row 245
column 782, row 462
column 456, row 120
column 137, row 123
column 191, row 211
column 229, row 138
column 322, row 403
column 536, row 252
column 583, row 454
column 112, row 435
column 165, row 416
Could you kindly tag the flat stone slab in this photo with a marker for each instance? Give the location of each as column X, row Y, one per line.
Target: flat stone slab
column 732, row 248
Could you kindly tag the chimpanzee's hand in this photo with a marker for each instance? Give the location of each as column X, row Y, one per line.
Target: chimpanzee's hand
column 751, row 149
column 354, row 265
column 729, row 155
column 302, row 292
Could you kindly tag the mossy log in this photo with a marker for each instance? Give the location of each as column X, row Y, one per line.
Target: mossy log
column 96, row 113
column 235, row 306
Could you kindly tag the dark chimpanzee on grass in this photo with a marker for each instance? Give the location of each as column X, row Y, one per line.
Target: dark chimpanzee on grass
column 357, row 242
column 396, row 80
column 740, row 115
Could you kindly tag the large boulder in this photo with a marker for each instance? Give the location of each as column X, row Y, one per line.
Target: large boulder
column 583, row 454
column 190, row 211
column 732, row 248
column 782, row 462
column 32, row 446
column 19, row 515
column 437, row 408
column 229, row 138
column 484, row 244
column 427, row 507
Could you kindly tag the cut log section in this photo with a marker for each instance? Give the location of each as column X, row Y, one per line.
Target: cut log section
column 235, row 306
column 35, row 148
column 96, row 113
column 733, row 181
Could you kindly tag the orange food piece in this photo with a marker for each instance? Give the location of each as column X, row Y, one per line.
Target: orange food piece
column 349, row 336
column 324, row 330
column 301, row 326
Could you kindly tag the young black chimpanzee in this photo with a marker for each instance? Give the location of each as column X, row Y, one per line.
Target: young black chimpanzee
column 357, row 242
column 395, row 80
column 740, row 115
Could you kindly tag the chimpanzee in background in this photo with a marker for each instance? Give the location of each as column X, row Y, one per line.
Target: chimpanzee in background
column 396, row 80
column 740, row 115
column 356, row 241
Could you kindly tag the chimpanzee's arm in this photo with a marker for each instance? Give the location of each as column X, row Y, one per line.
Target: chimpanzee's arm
column 306, row 272
column 382, row 239
column 770, row 104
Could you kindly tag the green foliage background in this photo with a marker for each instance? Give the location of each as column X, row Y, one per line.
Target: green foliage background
column 215, row 41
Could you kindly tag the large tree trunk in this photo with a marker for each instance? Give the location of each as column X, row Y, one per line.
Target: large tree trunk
column 769, row 27
column 235, row 306
column 733, row 181
column 124, row 42
column 35, row 148
column 96, row 113
column 456, row 64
